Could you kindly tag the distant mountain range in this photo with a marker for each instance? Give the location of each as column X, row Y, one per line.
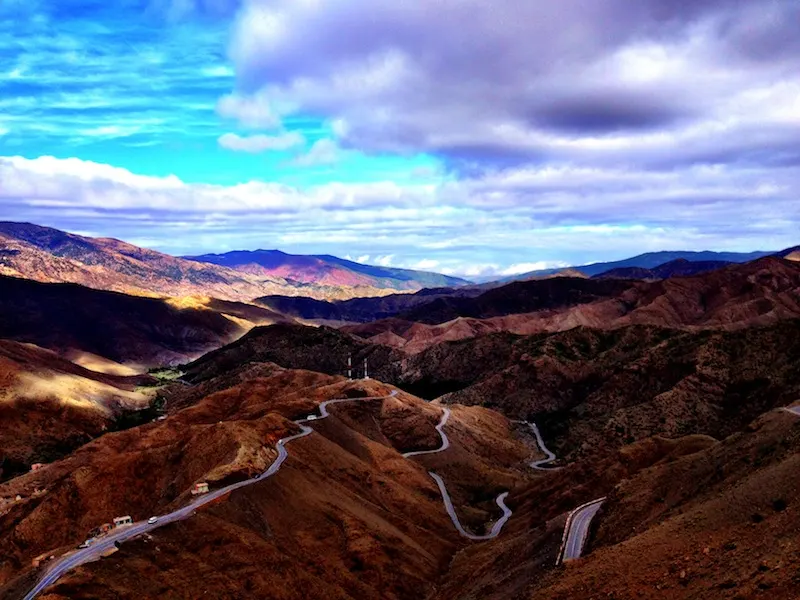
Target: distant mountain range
column 648, row 260
column 326, row 270
column 53, row 256
column 675, row 268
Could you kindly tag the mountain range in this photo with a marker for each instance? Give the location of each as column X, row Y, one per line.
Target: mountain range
column 648, row 260
column 51, row 255
column 659, row 392
column 326, row 270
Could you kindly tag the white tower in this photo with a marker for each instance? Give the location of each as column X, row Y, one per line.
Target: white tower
column 366, row 373
column 350, row 367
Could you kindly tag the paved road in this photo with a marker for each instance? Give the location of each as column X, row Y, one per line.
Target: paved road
column 538, row 464
column 795, row 410
column 577, row 531
column 448, row 504
column 440, row 428
column 74, row 559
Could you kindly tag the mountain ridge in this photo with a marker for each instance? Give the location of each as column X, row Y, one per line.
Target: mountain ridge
column 326, row 269
column 50, row 255
column 647, row 260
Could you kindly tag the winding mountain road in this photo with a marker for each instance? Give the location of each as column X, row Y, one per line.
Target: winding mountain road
column 75, row 559
column 440, row 428
column 95, row 551
column 795, row 410
column 448, row 504
column 539, row 464
column 576, row 530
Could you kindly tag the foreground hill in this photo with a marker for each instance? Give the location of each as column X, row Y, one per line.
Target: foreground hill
column 125, row 329
column 346, row 517
column 326, row 270
column 718, row 523
column 49, row 255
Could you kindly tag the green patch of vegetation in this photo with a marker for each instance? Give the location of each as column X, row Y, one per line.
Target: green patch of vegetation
column 165, row 373
column 134, row 418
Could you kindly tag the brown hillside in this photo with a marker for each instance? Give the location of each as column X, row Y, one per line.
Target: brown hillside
column 720, row 523
column 124, row 329
column 595, row 389
column 758, row 293
column 49, row 406
column 347, row 516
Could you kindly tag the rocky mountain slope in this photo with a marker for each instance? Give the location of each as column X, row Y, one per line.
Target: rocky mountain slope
column 663, row 396
column 360, row 310
column 439, row 305
column 320, row 349
column 593, row 389
column 718, row 523
column 762, row 292
column 326, row 270
column 122, row 328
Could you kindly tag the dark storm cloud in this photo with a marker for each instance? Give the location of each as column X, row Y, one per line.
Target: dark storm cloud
column 609, row 111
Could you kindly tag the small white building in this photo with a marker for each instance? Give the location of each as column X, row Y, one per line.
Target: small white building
column 200, row 488
column 123, row 521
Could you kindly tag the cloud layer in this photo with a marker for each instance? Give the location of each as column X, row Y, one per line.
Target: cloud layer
column 498, row 135
column 478, row 226
column 657, row 84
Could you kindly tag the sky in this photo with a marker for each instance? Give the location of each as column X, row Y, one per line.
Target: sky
column 462, row 136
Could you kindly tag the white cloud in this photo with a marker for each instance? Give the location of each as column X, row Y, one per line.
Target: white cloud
column 322, row 152
column 518, row 268
column 218, row 71
column 426, row 264
column 383, row 261
column 504, row 222
column 480, row 270
column 254, row 112
column 261, row 143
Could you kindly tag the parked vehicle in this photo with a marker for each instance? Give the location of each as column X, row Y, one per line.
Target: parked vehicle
column 152, row 520
column 87, row 543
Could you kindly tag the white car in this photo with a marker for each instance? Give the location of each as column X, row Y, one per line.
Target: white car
column 152, row 520
column 311, row 418
column 87, row 543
